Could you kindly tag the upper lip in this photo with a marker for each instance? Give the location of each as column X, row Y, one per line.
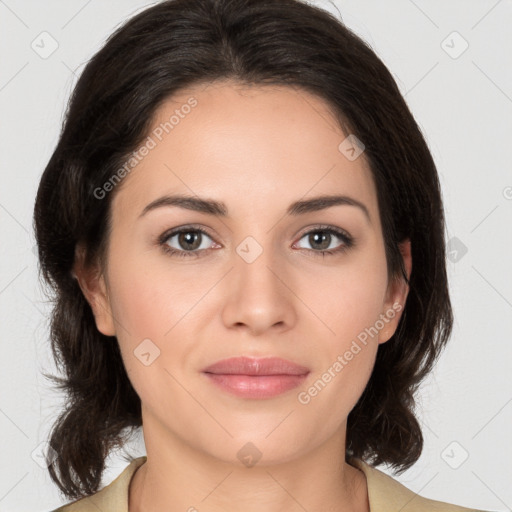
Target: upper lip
column 256, row 366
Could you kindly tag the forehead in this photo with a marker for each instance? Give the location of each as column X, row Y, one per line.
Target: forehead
column 264, row 144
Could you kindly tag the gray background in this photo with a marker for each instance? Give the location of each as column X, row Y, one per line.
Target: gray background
column 462, row 101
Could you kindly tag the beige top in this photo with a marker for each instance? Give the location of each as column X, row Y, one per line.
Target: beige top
column 385, row 494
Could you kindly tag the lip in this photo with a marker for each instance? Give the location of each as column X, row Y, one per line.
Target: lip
column 256, row 378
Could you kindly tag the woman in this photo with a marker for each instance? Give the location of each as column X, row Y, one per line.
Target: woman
column 243, row 227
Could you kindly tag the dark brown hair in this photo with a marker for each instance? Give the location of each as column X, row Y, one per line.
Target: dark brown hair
column 166, row 48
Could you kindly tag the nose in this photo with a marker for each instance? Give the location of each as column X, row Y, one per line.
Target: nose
column 259, row 296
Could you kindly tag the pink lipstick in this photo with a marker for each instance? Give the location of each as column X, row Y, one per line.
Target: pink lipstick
column 248, row 377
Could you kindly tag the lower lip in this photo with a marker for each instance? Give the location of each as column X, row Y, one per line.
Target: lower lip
column 263, row 386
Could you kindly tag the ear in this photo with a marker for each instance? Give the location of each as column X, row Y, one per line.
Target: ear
column 93, row 286
column 396, row 295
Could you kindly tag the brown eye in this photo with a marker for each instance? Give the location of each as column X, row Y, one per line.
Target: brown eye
column 185, row 241
column 320, row 239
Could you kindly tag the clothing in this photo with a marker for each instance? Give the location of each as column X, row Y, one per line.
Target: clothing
column 385, row 494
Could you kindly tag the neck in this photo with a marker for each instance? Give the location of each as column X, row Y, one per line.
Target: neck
column 178, row 477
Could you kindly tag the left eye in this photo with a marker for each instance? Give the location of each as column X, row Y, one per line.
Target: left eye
column 321, row 239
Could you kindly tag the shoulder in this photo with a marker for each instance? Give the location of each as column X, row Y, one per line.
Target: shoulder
column 386, row 494
column 112, row 497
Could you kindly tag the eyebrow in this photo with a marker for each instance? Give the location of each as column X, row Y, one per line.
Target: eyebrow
column 219, row 209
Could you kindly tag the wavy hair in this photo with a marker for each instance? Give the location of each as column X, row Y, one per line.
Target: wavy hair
column 165, row 48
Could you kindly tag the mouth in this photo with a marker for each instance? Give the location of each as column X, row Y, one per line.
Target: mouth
column 248, row 377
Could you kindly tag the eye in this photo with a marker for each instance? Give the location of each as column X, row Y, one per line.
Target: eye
column 187, row 241
column 322, row 237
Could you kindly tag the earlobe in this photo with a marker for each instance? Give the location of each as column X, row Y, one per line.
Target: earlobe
column 93, row 286
column 396, row 295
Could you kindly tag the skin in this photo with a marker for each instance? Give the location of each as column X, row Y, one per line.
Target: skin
column 257, row 150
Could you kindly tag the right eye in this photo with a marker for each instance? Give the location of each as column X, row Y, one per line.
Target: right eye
column 188, row 241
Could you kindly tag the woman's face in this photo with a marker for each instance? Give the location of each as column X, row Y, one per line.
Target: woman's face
column 256, row 282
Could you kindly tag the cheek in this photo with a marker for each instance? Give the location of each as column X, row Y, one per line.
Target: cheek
column 146, row 309
column 350, row 299
column 350, row 305
column 151, row 300
column 151, row 308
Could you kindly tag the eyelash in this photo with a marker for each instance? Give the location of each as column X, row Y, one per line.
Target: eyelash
column 348, row 241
